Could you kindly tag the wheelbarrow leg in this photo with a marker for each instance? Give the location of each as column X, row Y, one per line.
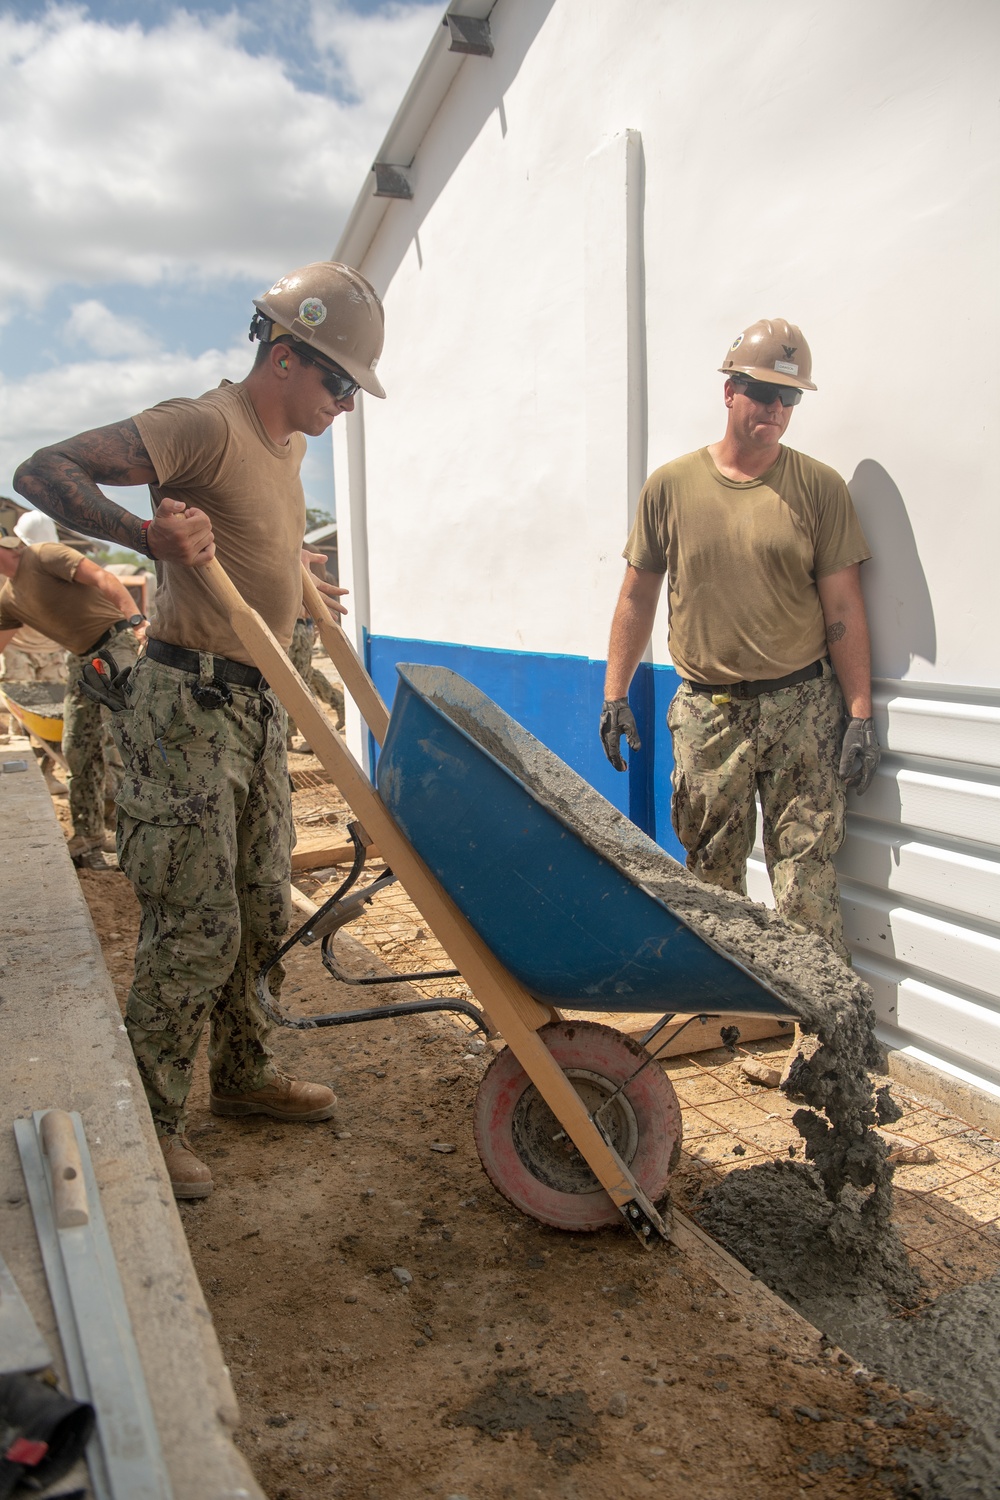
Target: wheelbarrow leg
column 510, row 1008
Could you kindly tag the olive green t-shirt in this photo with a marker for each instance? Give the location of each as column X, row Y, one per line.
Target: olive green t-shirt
column 214, row 453
column 44, row 596
column 742, row 559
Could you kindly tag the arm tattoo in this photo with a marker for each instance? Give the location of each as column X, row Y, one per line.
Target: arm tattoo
column 63, row 481
column 836, row 631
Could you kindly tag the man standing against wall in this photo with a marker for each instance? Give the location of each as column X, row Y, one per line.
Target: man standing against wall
column 762, row 549
column 54, row 589
column 205, row 827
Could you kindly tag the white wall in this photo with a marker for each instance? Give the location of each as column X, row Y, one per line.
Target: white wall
column 598, row 210
column 834, row 165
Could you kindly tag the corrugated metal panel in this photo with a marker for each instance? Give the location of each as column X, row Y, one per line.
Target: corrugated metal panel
column 920, row 873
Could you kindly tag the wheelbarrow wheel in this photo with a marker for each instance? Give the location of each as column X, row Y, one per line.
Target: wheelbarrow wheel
column 531, row 1160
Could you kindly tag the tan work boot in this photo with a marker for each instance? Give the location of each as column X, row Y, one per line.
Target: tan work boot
column 282, row 1098
column 189, row 1177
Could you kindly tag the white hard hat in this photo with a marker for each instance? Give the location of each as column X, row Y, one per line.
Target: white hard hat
column 35, row 527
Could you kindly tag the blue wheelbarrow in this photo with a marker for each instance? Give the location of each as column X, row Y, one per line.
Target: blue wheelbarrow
column 544, row 896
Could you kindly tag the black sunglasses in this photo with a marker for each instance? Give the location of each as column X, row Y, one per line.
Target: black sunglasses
column 762, row 391
column 337, row 381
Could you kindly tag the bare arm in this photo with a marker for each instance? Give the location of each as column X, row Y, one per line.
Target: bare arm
column 847, row 637
column 63, row 481
column 631, row 628
column 107, row 584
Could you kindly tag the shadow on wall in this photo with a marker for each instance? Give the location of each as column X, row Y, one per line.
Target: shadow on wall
column 896, row 594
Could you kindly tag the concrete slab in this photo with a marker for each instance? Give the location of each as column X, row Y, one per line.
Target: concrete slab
column 62, row 1044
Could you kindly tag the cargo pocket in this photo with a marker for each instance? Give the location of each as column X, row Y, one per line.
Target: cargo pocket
column 161, row 842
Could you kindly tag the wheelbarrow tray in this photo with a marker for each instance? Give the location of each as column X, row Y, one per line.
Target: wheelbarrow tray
column 503, row 824
column 37, row 706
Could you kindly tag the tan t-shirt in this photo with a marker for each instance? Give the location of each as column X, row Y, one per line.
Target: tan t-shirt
column 742, row 559
column 214, row 453
column 44, row 595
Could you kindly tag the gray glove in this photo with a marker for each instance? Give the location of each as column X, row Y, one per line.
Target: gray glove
column 617, row 720
column 859, row 754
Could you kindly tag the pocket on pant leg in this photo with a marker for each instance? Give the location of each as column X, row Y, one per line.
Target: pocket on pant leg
column 161, row 846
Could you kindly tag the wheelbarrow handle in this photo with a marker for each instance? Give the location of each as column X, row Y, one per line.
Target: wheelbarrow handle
column 344, row 657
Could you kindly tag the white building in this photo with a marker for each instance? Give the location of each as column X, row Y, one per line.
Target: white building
column 596, row 209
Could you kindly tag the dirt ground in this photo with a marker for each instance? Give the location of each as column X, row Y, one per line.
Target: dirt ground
column 395, row 1329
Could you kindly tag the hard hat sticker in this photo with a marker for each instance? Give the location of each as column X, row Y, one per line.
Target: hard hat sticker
column 737, row 341
column 312, row 311
column 783, row 367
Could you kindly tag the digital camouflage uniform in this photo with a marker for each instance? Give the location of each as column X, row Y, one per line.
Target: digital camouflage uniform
column 300, row 654
column 95, row 768
column 31, row 666
column 785, row 746
column 205, row 837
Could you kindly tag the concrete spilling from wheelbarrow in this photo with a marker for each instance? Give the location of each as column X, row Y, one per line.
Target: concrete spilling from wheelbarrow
column 819, row 1233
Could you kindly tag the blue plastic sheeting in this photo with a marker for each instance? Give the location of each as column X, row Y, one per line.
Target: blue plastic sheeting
column 558, row 699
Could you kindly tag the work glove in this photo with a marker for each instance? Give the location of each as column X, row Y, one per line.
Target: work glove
column 617, row 720
column 105, row 680
column 859, row 754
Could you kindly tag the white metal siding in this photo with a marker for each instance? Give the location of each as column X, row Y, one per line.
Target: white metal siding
column 920, row 877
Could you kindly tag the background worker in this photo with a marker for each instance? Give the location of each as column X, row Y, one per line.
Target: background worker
column 205, row 824
column 762, row 549
column 55, row 589
column 31, row 656
column 300, row 654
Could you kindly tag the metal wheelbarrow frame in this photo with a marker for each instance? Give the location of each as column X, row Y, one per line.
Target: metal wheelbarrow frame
column 511, row 1010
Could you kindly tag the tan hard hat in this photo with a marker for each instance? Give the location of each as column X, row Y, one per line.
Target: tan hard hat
column 333, row 308
column 771, row 349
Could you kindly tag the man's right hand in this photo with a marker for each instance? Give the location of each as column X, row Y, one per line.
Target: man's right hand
column 180, row 533
column 617, row 720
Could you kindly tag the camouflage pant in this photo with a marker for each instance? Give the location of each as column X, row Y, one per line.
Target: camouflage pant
column 300, row 655
column 784, row 746
column 95, row 768
column 205, row 837
column 32, row 666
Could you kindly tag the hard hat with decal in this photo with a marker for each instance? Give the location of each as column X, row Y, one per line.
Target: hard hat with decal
column 773, row 350
column 334, row 309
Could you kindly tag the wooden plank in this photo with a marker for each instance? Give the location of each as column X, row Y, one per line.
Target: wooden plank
column 344, row 657
column 310, row 856
column 508, row 1006
column 673, row 1042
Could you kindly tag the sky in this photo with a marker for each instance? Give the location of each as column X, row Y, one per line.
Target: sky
column 160, row 165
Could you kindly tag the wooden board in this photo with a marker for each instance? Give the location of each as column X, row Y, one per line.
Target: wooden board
column 308, row 855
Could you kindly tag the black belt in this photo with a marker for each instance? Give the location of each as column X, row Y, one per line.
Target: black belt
column 762, row 685
column 109, row 635
column 223, row 670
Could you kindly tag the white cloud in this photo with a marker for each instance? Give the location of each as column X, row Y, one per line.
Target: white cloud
column 106, row 333
column 44, row 407
column 132, row 156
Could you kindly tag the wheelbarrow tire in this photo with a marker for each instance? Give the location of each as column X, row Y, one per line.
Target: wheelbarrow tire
column 529, row 1159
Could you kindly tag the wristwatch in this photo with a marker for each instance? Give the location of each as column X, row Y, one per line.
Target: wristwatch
column 135, row 621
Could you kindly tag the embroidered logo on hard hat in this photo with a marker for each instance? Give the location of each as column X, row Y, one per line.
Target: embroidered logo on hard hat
column 789, row 351
column 737, row 341
column 782, row 367
column 312, row 311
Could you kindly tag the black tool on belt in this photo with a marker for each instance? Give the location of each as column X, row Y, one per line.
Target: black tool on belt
column 105, row 678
